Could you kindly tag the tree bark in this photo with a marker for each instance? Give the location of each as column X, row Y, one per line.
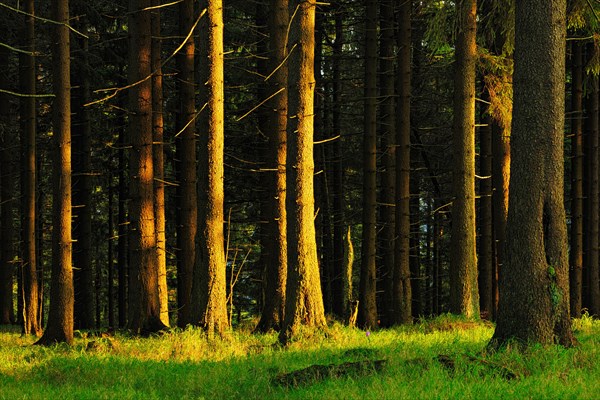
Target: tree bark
column 576, row 250
column 273, row 312
column 486, row 246
column 82, row 214
column 159, row 164
column 388, row 138
column 402, row 283
column 144, row 305
column 186, row 149
column 304, row 300
column 7, row 251
column 367, row 306
column 464, row 296
column 212, row 291
column 60, row 316
column 27, row 83
column 534, row 286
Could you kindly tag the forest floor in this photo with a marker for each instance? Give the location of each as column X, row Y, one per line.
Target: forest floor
column 444, row 358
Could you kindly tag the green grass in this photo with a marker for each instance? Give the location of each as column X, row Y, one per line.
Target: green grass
column 443, row 358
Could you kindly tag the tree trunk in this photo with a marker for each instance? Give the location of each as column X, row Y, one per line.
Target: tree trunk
column 593, row 267
column 304, row 301
column 27, row 82
column 186, row 149
column 464, row 297
column 576, row 250
column 144, row 306
column 122, row 232
column 212, row 291
column 82, row 215
column 159, row 165
column 388, row 139
column 534, row 286
column 7, row 253
column 340, row 257
column 402, row 284
column 273, row 311
column 367, row 306
column 486, row 244
column 60, row 316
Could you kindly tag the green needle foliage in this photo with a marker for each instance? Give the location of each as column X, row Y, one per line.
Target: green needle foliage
column 435, row 359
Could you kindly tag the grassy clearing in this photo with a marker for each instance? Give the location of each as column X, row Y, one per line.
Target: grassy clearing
column 443, row 358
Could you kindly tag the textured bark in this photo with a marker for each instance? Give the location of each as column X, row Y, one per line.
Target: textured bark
column 402, row 283
column 304, row 300
column 82, row 207
column 388, row 138
column 273, row 311
column 159, row 165
column 367, row 306
column 534, row 286
column 144, row 306
column 464, row 296
column 576, row 249
column 60, row 316
column 7, row 250
column 186, row 149
column 212, row 291
column 27, row 81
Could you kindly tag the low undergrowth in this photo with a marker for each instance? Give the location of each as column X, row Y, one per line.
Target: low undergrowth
column 441, row 358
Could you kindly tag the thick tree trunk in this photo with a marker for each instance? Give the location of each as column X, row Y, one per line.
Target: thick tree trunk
column 159, row 165
column 273, row 311
column 212, row 293
column 304, row 300
column 367, row 306
column 60, row 316
column 186, row 149
column 144, row 306
column 464, row 296
column 576, row 250
column 534, row 286
column 27, row 82
column 402, row 283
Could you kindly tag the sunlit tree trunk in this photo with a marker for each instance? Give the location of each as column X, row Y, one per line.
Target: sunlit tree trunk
column 27, row 83
column 273, row 312
column 304, row 300
column 367, row 306
column 60, row 316
column 213, row 317
column 159, row 164
column 534, row 284
column 144, row 305
column 464, row 296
